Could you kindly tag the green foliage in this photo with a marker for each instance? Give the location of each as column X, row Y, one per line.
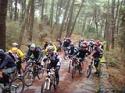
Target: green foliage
column 12, row 33
column 91, row 29
column 112, row 57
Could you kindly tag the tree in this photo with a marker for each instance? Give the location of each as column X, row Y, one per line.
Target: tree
column 42, row 12
column 64, row 18
column 24, row 23
column 51, row 13
column 73, row 26
column 31, row 20
column 3, row 13
column 10, row 7
column 23, row 10
column 70, row 18
column 113, row 22
column 15, row 11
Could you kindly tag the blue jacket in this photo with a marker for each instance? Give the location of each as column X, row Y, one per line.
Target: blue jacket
column 7, row 62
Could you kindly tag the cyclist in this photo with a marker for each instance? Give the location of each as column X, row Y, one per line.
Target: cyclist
column 97, row 54
column 50, row 44
column 45, row 45
column 71, row 50
column 54, row 61
column 34, row 53
column 7, row 66
column 59, row 45
column 17, row 56
column 81, row 42
column 91, row 45
column 81, row 54
column 66, row 43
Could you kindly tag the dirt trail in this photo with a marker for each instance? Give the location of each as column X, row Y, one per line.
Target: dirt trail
column 80, row 84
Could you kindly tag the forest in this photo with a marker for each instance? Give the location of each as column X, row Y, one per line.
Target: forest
column 38, row 21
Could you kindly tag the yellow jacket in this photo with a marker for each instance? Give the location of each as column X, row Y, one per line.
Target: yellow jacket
column 54, row 48
column 102, row 60
column 19, row 53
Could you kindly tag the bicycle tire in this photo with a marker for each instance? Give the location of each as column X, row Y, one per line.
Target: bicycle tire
column 30, row 77
column 18, row 86
column 89, row 71
column 69, row 68
column 52, row 88
column 45, row 86
column 73, row 72
column 80, row 70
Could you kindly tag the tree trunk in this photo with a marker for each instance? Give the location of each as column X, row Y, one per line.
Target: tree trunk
column 58, row 11
column 76, row 18
column 113, row 22
column 64, row 18
column 51, row 13
column 24, row 24
column 15, row 11
column 3, row 13
column 23, row 10
column 83, row 26
column 107, row 26
column 10, row 2
column 70, row 18
column 42, row 12
column 31, row 21
column 95, row 20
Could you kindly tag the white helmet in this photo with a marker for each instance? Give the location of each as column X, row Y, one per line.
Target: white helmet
column 14, row 44
column 32, row 46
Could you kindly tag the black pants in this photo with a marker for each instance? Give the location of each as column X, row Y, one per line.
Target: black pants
column 5, row 79
column 19, row 66
column 96, row 62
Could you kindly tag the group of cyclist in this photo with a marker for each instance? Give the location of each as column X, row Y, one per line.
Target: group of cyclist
column 83, row 49
column 12, row 60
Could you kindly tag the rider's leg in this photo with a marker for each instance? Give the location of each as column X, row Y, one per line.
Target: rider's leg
column 57, row 73
column 96, row 63
column 19, row 66
column 5, row 79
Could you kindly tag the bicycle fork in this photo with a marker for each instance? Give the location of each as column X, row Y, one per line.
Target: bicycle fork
column 47, row 84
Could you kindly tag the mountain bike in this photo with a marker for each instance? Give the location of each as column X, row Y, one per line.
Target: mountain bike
column 32, row 70
column 89, row 70
column 50, row 83
column 15, row 85
column 76, row 66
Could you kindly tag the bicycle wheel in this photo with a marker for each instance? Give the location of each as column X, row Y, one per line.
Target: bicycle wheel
column 89, row 71
column 73, row 72
column 80, row 70
column 17, row 86
column 45, row 88
column 3, row 90
column 52, row 88
column 28, row 78
column 69, row 68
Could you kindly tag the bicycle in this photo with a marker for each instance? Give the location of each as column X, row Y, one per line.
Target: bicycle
column 15, row 85
column 76, row 65
column 50, row 83
column 32, row 70
column 66, row 53
column 89, row 70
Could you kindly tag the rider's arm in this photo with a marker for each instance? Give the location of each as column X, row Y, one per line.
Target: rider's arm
column 29, row 53
column 39, row 55
column 59, row 61
column 4, row 63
